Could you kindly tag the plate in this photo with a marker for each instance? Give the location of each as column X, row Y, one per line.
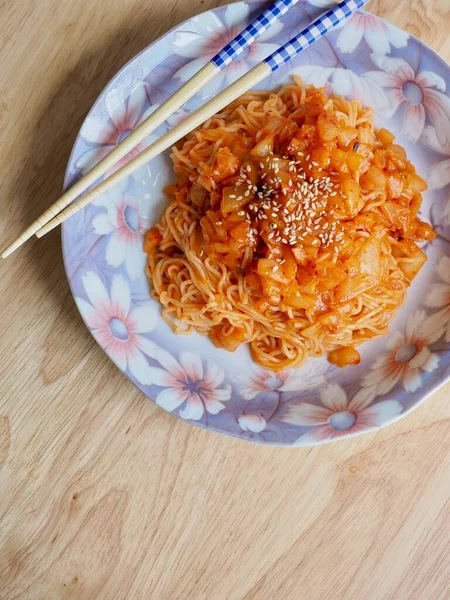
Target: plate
column 226, row 392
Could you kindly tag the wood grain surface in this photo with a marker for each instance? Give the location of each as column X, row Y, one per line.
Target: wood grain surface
column 102, row 494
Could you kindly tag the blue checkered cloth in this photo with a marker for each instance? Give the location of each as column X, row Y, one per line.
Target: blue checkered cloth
column 313, row 32
column 252, row 32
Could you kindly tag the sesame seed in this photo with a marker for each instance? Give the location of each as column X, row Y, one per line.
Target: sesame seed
column 247, row 193
column 314, row 163
column 249, row 169
column 218, row 222
column 232, row 195
column 275, row 268
column 308, row 156
column 241, row 213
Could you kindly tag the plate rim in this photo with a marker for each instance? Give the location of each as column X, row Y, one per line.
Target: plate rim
column 253, row 438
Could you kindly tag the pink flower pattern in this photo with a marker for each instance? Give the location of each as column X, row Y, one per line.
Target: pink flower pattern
column 186, row 382
column 378, row 34
column 439, row 174
column 206, row 35
column 338, row 416
column 421, row 94
column 122, row 116
column 117, row 326
column 438, row 296
column 124, row 222
column 252, row 423
column 289, row 380
column 407, row 355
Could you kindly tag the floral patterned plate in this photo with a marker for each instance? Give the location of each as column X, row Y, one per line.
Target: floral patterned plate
column 226, row 392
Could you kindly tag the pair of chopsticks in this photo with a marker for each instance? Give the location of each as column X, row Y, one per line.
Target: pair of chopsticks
column 52, row 217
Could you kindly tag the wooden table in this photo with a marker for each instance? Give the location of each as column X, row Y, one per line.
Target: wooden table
column 102, row 494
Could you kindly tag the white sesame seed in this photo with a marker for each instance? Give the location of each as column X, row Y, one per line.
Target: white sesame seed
column 241, row 213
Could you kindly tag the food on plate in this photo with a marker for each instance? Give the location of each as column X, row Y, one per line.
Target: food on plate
column 292, row 226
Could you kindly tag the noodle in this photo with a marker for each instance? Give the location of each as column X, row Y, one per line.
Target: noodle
column 292, row 226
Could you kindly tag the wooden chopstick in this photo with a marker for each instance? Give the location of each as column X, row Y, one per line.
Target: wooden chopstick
column 242, row 41
column 304, row 39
